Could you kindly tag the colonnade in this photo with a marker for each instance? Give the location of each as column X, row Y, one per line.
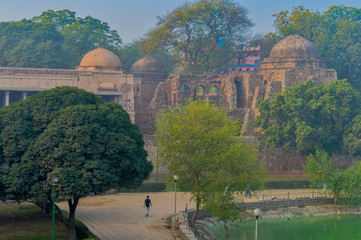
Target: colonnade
column 10, row 96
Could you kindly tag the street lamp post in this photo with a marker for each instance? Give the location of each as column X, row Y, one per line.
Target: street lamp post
column 55, row 182
column 175, row 200
column 257, row 212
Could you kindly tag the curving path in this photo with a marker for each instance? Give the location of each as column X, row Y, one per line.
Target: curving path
column 122, row 216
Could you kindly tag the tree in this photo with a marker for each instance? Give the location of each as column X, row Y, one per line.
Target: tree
column 91, row 148
column 199, row 143
column 28, row 44
column 308, row 117
column 81, row 35
column 322, row 169
column 335, row 33
column 352, row 184
column 345, row 184
column 202, row 33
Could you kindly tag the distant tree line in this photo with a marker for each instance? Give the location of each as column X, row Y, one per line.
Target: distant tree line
column 55, row 39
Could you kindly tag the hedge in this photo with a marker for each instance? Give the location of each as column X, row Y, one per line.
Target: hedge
column 294, row 184
column 146, row 187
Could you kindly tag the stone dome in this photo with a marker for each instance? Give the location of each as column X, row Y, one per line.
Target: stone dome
column 294, row 46
column 99, row 59
column 146, row 65
column 293, row 52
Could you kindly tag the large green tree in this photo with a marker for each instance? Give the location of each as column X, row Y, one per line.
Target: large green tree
column 199, row 143
column 29, row 44
column 322, row 169
column 335, row 33
column 81, row 35
column 70, row 134
column 344, row 184
column 55, row 39
column 309, row 116
column 203, row 33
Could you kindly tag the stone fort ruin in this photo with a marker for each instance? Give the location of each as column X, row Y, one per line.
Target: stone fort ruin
column 148, row 87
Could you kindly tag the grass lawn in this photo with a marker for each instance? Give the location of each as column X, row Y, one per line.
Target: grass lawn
column 25, row 222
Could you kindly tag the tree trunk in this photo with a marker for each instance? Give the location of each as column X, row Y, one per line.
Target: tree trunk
column 226, row 232
column 71, row 220
column 195, row 215
column 335, row 199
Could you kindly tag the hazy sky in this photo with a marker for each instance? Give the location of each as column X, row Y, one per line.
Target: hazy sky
column 133, row 18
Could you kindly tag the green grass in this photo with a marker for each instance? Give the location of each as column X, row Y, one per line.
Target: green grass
column 25, row 222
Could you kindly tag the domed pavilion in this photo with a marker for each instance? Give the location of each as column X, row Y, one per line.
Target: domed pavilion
column 100, row 59
column 148, row 65
column 293, row 52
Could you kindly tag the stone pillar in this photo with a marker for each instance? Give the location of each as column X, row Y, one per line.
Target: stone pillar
column 25, row 95
column 7, row 98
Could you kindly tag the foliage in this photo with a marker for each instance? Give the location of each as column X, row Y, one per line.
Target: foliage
column 55, row 39
column 146, row 187
column 81, row 35
column 199, row 143
column 130, row 53
column 29, row 44
column 352, row 136
column 82, row 231
column 91, row 148
column 352, row 184
column 202, row 33
column 290, row 184
column 308, row 116
column 335, row 33
column 322, row 169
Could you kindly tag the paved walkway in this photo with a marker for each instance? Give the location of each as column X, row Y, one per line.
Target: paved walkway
column 121, row 216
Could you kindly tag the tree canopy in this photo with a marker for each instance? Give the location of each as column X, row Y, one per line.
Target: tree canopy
column 202, row 33
column 199, row 144
column 55, row 39
column 310, row 116
column 68, row 133
column 344, row 184
column 335, row 33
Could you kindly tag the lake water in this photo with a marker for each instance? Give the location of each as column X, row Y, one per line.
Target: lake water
column 331, row 227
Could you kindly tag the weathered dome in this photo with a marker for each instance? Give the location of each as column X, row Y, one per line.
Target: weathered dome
column 293, row 52
column 146, row 65
column 98, row 59
column 294, row 46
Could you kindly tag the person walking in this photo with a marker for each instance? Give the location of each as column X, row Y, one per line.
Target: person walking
column 147, row 204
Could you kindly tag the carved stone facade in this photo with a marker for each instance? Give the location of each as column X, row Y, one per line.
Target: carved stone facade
column 149, row 87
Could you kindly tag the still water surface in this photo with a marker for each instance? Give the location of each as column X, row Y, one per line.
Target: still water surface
column 332, row 227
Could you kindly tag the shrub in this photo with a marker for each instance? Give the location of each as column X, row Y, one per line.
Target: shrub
column 146, row 187
column 152, row 187
column 82, row 231
column 293, row 184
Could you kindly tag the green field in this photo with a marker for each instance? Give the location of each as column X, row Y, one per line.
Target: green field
column 25, row 222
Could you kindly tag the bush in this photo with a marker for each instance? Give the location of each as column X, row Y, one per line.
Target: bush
column 152, row 187
column 82, row 231
column 294, row 184
column 146, row 187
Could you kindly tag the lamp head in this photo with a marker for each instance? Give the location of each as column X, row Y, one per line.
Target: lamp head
column 257, row 212
column 55, row 181
column 175, row 177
